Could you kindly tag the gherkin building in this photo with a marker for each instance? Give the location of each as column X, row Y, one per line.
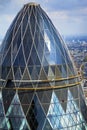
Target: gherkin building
column 40, row 88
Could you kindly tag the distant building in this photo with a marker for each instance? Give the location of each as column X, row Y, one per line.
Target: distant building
column 39, row 86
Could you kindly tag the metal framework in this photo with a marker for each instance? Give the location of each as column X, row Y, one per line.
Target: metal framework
column 40, row 88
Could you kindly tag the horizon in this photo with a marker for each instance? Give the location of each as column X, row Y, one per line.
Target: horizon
column 65, row 38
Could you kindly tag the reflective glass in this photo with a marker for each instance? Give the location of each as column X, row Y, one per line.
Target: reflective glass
column 38, row 79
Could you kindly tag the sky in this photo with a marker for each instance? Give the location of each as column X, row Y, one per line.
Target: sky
column 68, row 16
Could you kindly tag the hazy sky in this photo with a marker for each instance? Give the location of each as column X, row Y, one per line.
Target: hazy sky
column 69, row 16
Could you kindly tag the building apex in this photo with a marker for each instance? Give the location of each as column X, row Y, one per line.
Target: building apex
column 32, row 4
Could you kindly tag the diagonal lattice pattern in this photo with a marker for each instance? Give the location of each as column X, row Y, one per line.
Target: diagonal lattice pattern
column 39, row 86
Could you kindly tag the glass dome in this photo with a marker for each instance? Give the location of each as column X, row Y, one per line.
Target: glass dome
column 33, row 49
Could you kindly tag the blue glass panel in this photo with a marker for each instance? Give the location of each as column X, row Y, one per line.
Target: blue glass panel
column 16, row 43
column 27, row 42
column 7, row 98
column 15, row 114
column 7, row 59
column 3, row 121
column 19, row 60
column 33, row 21
column 73, row 113
column 25, row 21
column 55, row 112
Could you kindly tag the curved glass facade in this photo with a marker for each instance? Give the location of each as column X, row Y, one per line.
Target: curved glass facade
column 39, row 86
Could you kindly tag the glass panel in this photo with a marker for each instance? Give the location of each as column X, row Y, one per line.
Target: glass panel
column 15, row 114
column 7, row 98
column 36, row 115
column 32, row 22
column 25, row 21
column 19, row 61
column 55, row 112
column 16, row 42
column 27, row 42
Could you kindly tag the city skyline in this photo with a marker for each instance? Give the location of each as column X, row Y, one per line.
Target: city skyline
column 69, row 17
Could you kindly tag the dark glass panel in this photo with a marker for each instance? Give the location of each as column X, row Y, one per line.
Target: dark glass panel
column 45, row 96
column 4, row 73
column 19, row 61
column 15, row 123
column 38, row 68
column 46, row 69
column 30, row 62
column 7, row 59
column 30, row 69
column 43, row 75
column 25, row 96
column 40, row 50
column 17, row 74
column 35, row 116
column 24, row 22
column 9, row 73
column 37, row 62
column 22, row 70
column 7, row 98
column 14, row 70
column 40, row 21
column 27, row 43
column 1, row 109
column 16, row 43
column 9, row 84
column 26, row 75
column 25, row 108
column 34, row 74
column 32, row 22
column 33, row 55
column 31, row 117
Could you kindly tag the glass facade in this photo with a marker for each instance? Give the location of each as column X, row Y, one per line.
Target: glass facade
column 39, row 86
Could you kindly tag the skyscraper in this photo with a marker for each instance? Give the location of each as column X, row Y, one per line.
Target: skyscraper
column 39, row 86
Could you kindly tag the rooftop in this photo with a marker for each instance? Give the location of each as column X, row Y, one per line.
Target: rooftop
column 32, row 4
